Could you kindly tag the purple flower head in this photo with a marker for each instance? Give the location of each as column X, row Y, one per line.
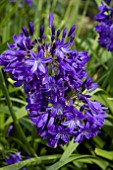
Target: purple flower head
column 55, row 80
column 105, row 15
column 105, row 26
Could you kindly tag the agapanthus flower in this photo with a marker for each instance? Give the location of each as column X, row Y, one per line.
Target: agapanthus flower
column 14, row 158
column 105, row 26
column 57, row 85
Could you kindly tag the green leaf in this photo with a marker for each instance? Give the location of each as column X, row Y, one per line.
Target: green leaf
column 2, row 120
column 12, row 11
column 100, row 143
column 108, row 123
column 15, row 100
column 111, row 80
column 30, row 162
column 69, row 150
column 104, row 154
column 3, row 3
column 21, row 112
column 22, row 164
column 104, row 98
column 5, row 109
column 27, row 123
column 60, row 163
column 101, row 163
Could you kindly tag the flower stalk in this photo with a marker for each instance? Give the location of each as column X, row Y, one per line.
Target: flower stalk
column 15, row 120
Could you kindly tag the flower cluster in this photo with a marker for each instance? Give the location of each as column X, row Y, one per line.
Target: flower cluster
column 105, row 28
column 55, row 80
column 14, row 158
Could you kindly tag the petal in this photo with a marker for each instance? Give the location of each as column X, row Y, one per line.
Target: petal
column 64, row 138
column 15, row 37
column 18, row 83
column 51, row 122
column 51, row 18
column 41, row 30
column 64, row 32
column 42, row 121
column 41, row 68
column 31, row 28
column 33, row 54
column 35, row 66
column 41, row 54
column 78, row 138
column 25, row 31
column 46, row 60
column 29, row 62
column 72, row 30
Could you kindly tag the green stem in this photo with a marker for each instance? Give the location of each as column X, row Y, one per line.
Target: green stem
column 16, row 123
column 34, row 133
column 82, row 18
column 20, row 143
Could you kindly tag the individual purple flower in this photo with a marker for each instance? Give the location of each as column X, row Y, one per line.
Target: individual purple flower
column 10, row 128
column 72, row 29
column 14, row 158
column 87, row 131
column 37, row 62
column 51, row 18
column 74, row 119
column 31, row 28
column 59, row 136
column 55, row 80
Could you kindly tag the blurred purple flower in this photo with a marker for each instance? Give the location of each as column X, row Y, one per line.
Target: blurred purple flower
column 105, row 26
column 14, row 158
column 51, row 18
column 108, row 1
